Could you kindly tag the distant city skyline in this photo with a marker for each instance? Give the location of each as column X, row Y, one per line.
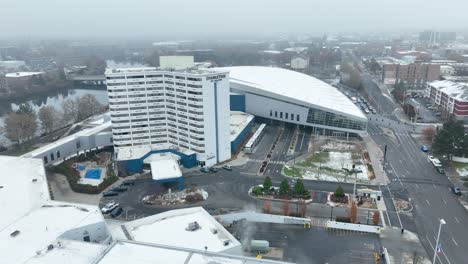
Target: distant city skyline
column 181, row 19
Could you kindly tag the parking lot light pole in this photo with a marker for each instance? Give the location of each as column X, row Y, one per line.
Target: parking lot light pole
column 441, row 222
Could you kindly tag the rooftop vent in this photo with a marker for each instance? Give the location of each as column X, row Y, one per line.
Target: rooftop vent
column 34, row 180
column 194, row 226
column 15, row 233
column 214, row 231
column 226, row 242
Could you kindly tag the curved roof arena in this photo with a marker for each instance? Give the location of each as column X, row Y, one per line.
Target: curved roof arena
column 300, row 87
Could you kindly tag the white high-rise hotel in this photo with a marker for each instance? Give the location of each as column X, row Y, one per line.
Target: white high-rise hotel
column 185, row 111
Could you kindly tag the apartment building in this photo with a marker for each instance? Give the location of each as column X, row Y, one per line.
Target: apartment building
column 185, row 112
column 450, row 97
column 415, row 75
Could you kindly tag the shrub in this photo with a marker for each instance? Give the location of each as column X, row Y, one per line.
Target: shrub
column 339, row 192
column 257, row 190
column 267, row 184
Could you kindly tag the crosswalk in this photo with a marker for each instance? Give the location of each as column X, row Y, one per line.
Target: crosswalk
column 271, row 161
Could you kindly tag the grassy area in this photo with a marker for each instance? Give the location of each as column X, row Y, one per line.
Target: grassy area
column 324, row 168
column 459, row 165
column 315, row 158
column 292, row 172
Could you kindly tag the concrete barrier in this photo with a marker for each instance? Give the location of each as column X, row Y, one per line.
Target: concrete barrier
column 353, row 227
column 460, row 159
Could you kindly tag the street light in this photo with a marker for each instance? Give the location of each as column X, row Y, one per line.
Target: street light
column 441, row 222
column 332, row 205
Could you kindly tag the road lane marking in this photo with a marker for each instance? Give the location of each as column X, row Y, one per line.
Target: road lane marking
column 433, row 185
column 417, row 185
column 428, row 203
column 428, row 240
column 456, row 220
column 455, row 242
column 445, row 202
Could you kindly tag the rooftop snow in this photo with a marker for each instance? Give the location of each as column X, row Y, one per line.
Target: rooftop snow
column 145, row 253
column 163, row 169
column 41, row 227
column 21, row 74
column 302, row 88
column 169, row 228
column 239, row 121
column 23, row 188
column 457, row 91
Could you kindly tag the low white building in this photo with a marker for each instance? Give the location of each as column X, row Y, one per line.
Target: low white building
column 37, row 230
column 299, row 63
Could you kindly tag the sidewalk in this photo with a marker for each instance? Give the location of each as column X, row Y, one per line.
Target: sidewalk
column 376, row 155
column 403, row 248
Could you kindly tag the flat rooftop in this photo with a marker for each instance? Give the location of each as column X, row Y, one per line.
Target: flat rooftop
column 239, row 120
column 169, row 228
column 23, row 188
column 145, row 253
column 22, row 74
column 165, row 168
column 457, row 91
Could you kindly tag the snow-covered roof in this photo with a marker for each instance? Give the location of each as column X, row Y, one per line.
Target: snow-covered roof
column 169, row 228
column 22, row 74
column 457, row 91
column 30, row 221
column 23, row 188
column 42, row 227
column 143, row 253
column 165, row 168
column 295, row 87
column 238, row 122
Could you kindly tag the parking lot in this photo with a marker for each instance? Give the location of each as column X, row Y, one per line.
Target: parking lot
column 315, row 244
column 427, row 113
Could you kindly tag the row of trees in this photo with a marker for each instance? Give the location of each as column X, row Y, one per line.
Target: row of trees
column 22, row 124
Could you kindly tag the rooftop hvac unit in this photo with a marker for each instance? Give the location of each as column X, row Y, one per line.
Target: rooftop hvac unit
column 194, row 226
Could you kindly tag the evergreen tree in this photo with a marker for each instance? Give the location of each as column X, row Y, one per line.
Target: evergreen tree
column 284, row 187
column 267, row 184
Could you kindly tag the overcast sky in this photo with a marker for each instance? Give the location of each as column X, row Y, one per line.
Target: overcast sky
column 189, row 18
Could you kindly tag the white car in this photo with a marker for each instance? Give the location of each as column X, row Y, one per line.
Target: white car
column 109, row 207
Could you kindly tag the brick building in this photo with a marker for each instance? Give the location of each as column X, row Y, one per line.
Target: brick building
column 450, row 97
column 415, row 75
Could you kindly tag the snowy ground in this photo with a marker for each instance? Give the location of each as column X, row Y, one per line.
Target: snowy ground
column 336, row 161
column 463, row 172
column 328, row 164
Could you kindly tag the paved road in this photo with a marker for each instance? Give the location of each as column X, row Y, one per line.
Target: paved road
column 415, row 178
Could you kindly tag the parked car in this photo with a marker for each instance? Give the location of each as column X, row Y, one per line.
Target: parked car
column 440, row 169
column 424, row 148
column 120, row 188
column 205, row 170
column 128, row 182
column 214, row 169
column 227, row 167
column 373, row 111
column 456, row 190
column 116, row 212
column 110, row 193
column 109, row 207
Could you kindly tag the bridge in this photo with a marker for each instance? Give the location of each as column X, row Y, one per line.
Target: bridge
column 88, row 79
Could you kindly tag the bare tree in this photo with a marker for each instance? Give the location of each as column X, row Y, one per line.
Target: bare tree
column 70, row 111
column 88, row 105
column 428, row 133
column 48, row 117
column 20, row 127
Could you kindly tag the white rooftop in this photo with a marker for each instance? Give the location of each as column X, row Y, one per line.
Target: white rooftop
column 238, row 122
column 19, row 194
column 299, row 87
column 169, row 228
column 22, row 74
column 165, row 168
column 458, row 91
column 137, row 152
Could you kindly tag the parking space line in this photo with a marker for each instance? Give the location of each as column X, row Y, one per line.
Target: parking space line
column 456, row 220
column 455, row 242
column 428, row 203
